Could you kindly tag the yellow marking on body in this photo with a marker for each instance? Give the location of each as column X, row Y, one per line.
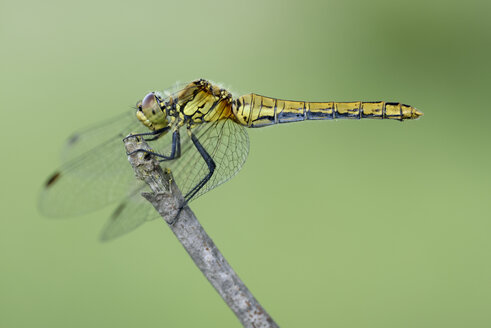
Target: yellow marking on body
column 392, row 110
column 222, row 110
column 374, row 110
column 409, row 112
column 348, row 108
column 292, row 107
column 268, row 108
column 244, row 110
column 255, row 109
column 321, row 107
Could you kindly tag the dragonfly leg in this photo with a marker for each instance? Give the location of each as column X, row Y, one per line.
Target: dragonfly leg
column 175, row 151
column 174, row 220
column 157, row 133
column 211, row 166
column 209, row 161
column 176, row 145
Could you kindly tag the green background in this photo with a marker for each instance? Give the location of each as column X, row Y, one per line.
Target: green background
column 349, row 223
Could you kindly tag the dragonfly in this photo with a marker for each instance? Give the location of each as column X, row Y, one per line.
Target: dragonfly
column 197, row 131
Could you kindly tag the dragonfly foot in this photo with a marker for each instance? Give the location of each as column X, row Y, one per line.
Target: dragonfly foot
column 176, row 218
column 136, row 151
column 136, row 136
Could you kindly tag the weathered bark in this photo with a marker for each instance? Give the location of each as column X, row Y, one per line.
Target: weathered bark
column 167, row 200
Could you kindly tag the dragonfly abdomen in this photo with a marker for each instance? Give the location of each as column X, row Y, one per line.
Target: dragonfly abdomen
column 256, row 111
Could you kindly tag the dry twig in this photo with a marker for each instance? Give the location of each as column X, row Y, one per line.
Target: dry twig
column 167, row 200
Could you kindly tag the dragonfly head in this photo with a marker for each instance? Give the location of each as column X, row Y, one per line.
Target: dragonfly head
column 151, row 112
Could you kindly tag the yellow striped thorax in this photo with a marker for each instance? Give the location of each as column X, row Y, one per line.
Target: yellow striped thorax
column 200, row 101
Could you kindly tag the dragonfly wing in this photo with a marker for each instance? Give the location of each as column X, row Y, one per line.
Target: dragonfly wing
column 85, row 140
column 95, row 172
column 88, row 182
column 129, row 215
column 225, row 141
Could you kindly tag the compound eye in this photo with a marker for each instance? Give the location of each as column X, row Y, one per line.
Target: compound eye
column 149, row 101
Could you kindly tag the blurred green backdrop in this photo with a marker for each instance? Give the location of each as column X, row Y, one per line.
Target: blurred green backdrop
column 351, row 223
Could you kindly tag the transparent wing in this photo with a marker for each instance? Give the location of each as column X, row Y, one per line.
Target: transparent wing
column 95, row 171
column 129, row 215
column 228, row 145
column 225, row 141
column 85, row 140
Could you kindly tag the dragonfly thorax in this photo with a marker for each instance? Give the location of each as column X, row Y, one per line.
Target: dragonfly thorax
column 151, row 112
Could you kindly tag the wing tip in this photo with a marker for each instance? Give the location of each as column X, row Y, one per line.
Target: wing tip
column 108, row 233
